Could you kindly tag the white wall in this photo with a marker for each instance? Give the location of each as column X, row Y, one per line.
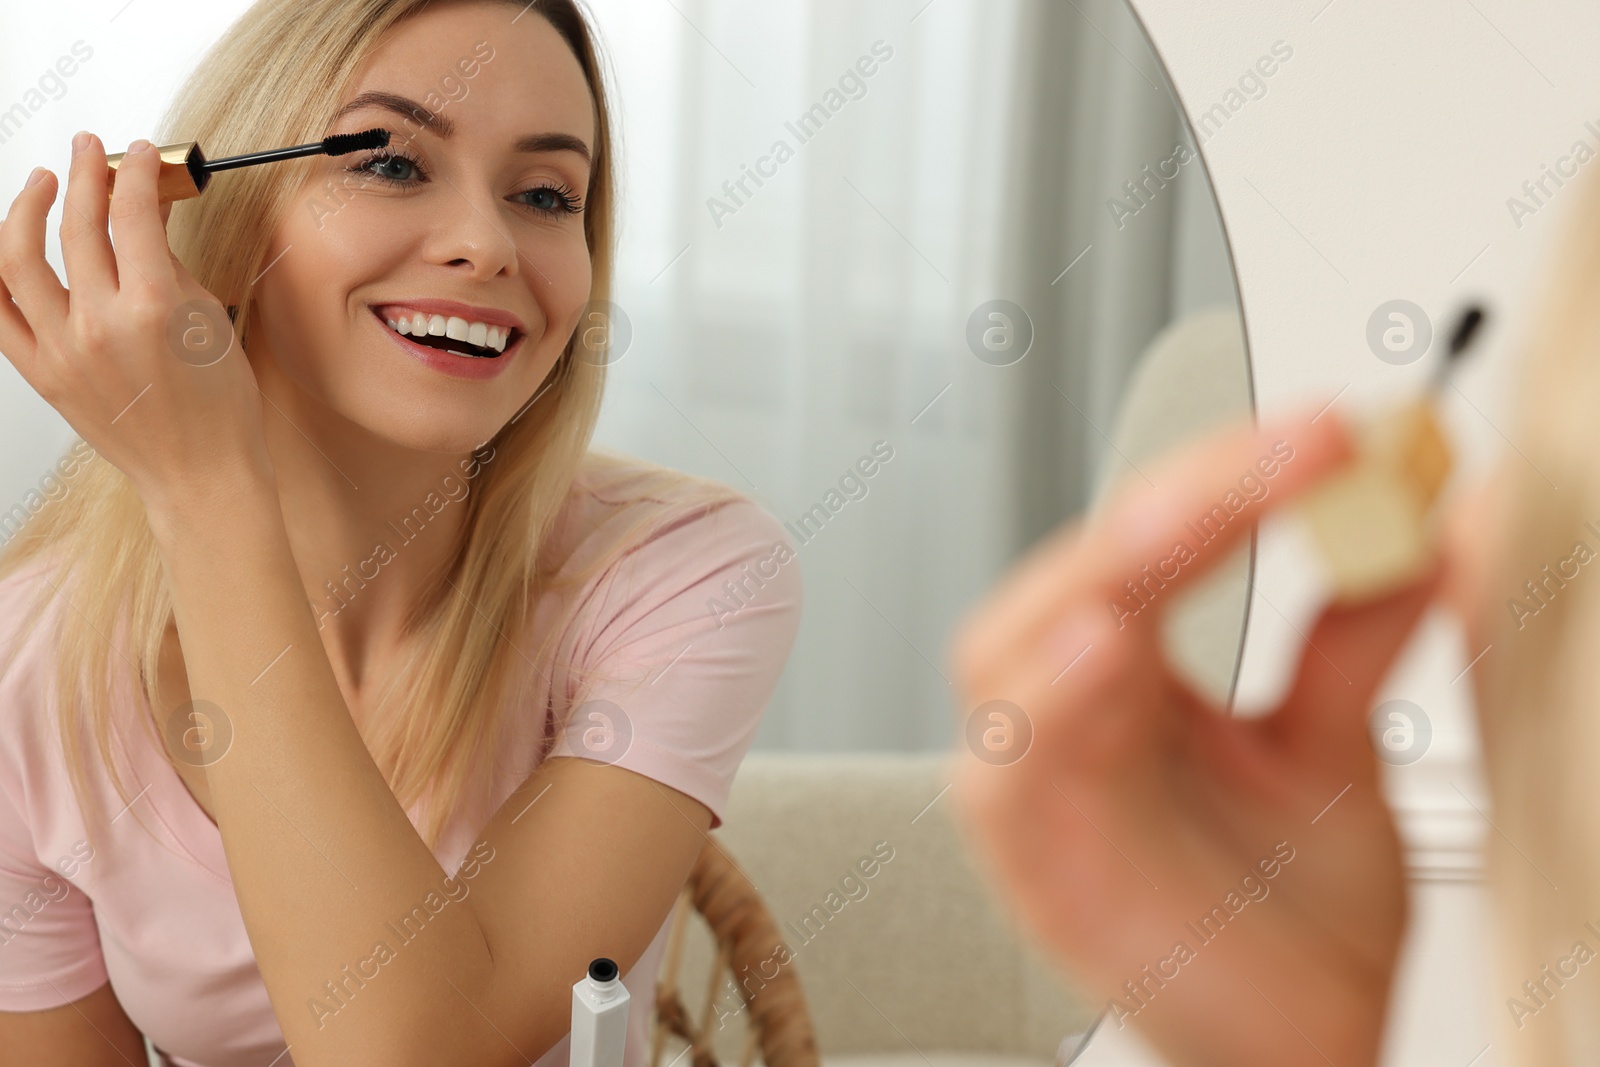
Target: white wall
column 1377, row 166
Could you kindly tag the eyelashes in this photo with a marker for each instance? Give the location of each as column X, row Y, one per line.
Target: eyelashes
column 566, row 202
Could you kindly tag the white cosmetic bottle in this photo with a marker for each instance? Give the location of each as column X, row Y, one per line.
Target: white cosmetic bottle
column 599, row 1017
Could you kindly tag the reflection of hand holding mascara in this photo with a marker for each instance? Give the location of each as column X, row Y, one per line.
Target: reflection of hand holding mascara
column 1137, row 805
column 185, row 171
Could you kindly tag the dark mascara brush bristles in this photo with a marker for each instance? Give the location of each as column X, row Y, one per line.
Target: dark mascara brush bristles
column 1465, row 330
column 341, row 144
column 1461, row 338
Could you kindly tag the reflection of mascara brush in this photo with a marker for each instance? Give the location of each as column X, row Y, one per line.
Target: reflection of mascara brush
column 185, row 171
column 1372, row 522
column 1460, row 339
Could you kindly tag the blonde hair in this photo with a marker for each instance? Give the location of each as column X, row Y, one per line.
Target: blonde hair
column 276, row 77
column 1540, row 682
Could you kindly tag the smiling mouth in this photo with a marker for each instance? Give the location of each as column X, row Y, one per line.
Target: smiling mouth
column 453, row 346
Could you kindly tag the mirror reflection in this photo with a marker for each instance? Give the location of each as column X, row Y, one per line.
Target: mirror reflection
column 1000, row 285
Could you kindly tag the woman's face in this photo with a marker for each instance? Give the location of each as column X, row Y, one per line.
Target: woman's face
column 474, row 212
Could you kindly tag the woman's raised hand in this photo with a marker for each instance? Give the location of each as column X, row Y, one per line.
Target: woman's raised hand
column 1232, row 886
column 137, row 356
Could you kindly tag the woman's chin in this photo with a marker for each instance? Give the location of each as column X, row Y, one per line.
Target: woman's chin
column 459, row 445
column 452, row 440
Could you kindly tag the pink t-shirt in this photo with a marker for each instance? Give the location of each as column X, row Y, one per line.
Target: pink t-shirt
column 695, row 625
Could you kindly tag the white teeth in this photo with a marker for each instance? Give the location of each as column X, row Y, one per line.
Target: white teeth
column 419, row 324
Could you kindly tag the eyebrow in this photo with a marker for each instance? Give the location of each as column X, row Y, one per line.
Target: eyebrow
column 445, row 128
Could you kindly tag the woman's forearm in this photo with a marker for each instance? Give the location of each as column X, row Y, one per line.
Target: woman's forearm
column 323, row 857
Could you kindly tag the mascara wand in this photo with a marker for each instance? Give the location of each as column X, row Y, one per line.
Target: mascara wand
column 1461, row 338
column 185, row 171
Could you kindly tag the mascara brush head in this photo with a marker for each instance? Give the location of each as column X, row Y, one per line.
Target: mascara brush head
column 1462, row 335
column 1465, row 330
column 342, row 144
column 185, row 171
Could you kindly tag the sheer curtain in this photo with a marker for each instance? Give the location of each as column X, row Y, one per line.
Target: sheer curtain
column 781, row 329
column 791, row 330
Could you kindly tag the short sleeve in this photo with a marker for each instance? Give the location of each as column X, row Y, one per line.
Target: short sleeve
column 49, row 944
column 681, row 648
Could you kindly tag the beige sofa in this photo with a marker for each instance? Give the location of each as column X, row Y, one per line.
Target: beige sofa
column 916, row 965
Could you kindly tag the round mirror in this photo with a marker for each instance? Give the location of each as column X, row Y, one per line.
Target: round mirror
column 924, row 281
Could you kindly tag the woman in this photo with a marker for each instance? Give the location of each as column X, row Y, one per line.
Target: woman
column 1234, row 886
column 316, row 601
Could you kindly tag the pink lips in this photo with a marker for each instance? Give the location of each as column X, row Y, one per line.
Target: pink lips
column 475, row 368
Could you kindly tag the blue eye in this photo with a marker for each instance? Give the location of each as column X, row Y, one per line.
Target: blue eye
column 382, row 160
column 565, row 203
column 385, row 158
column 554, row 200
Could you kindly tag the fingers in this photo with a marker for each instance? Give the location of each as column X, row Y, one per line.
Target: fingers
column 1098, row 703
column 27, row 278
column 1207, row 497
column 143, row 256
column 1045, row 750
column 1085, row 704
column 1349, row 653
column 16, row 336
column 85, row 248
column 1156, row 538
